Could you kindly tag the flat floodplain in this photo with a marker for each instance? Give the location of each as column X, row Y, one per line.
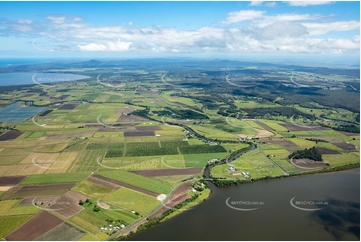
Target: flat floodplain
column 38, row 190
column 35, row 227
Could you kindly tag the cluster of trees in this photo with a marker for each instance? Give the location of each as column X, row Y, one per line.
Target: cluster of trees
column 277, row 111
column 311, row 153
column 317, row 140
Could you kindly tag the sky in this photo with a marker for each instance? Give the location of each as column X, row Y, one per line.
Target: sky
column 219, row 29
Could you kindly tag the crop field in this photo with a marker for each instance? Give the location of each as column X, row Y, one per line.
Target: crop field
column 129, row 200
column 200, row 149
column 303, row 143
column 88, row 160
column 38, row 190
column 10, row 223
column 253, row 162
column 63, row 232
column 279, row 155
column 200, row 160
column 336, row 160
column 23, row 209
column 138, row 181
column 55, row 178
column 35, row 227
column 92, row 189
column 6, row 205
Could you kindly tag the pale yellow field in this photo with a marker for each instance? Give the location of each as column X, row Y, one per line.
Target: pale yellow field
column 5, row 169
column 28, row 169
column 41, row 158
column 63, row 162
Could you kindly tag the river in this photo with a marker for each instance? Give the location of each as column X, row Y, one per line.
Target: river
column 334, row 199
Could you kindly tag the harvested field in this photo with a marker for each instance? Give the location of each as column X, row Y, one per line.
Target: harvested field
column 147, row 128
column 140, row 133
column 325, row 151
column 28, row 169
column 38, row 190
column 115, row 93
column 12, row 134
column 168, row 172
column 345, row 146
column 348, row 133
column 11, row 180
column 125, row 110
column 177, row 197
column 263, row 133
column 266, row 127
column 67, row 136
column 288, row 145
column 103, row 183
column 69, row 106
column 131, row 118
column 62, row 97
column 35, row 227
column 293, row 127
column 64, row 232
column 5, row 188
column 126, row 185
column 68, row 205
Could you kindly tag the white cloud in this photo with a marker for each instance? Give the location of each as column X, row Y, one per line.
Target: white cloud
column 25, row 21
column 243, row 15
column 118, row 46
column 307, row 3
column 287, row 17
column 324, row 28
column 92, row 47
column 270, row 4
column 256, row 3
column 130, row 23
column 56, row 19
column 282, row 33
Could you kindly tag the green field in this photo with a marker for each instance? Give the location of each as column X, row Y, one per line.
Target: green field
column 138, row 181
column 10, row 223
column 129, row 200
column 55, row 178
column 200, row 160
column 91, row 189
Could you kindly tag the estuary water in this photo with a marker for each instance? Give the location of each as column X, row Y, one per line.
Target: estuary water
column 27, row 78
column 312, row 207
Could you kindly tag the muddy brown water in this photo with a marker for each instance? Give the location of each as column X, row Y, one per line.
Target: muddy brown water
column 335, row 195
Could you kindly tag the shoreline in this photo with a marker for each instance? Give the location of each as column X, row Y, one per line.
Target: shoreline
column 169, row 214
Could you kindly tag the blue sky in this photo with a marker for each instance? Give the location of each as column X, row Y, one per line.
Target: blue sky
column 195, row 29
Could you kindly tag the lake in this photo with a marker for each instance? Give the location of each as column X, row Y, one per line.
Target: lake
column 10, row 79
column 324, row 207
